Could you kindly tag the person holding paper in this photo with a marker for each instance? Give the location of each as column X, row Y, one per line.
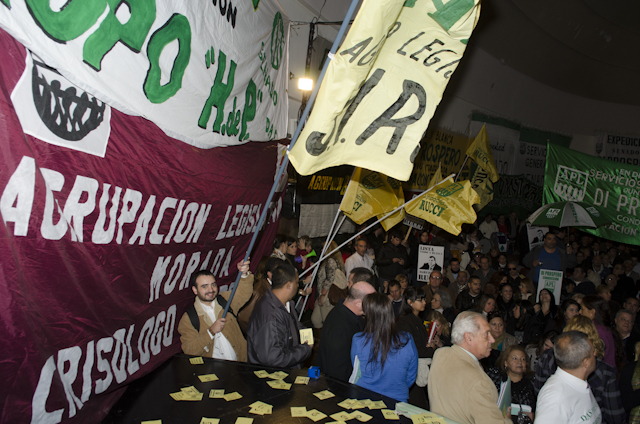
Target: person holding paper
column 548, row 256
column 215, row 337
column 273, row 337
column 566, row 397
column 387, row 360
column 459, row 389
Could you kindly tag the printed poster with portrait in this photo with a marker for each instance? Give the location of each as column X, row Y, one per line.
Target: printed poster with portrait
column 536, row 235
column 430, row 258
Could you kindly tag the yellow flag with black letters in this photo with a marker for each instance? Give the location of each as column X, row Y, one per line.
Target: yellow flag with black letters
column 482, row 184
column 383, row 85
column 480, row 151
column 448, row 205
column 372, row 194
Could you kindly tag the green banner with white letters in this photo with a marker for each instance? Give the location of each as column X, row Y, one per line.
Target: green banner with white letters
column 614, row 186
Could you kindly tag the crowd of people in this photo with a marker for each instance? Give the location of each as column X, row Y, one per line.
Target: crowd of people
column 449, row 343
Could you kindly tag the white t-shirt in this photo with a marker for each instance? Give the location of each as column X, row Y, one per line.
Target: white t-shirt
column 565, row 399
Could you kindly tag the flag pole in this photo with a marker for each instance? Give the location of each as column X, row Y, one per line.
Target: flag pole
column 371, row 225
column 324, row 250
column 460, row 171
column 322, row 258
column 285, row 162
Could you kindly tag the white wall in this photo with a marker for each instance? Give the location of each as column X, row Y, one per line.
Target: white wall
column 486, row 84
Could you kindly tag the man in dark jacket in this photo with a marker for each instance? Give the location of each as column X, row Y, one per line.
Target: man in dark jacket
column 345, row 320
column 392, row 259
column 468, row 297
column 273, row 337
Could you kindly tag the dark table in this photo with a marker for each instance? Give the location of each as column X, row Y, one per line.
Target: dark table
column 148, row 398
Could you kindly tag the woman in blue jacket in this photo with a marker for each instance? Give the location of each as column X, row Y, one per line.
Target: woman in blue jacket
column 388, row 360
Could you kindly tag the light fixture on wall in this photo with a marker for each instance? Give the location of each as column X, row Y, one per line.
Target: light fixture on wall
column 305, row 84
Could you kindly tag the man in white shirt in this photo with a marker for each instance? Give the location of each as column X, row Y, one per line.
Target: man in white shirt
column 566, row 397
column 488, row 227
column 360, row 259
column 203, row 331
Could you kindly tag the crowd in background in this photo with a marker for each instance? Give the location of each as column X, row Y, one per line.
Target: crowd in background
column 489, row 269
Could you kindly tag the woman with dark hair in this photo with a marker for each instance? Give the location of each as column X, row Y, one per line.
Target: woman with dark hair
column 546, row 309
column 546, row 342
column 525, row 325
column 597, row 309
column 514, row 364
column 486, row 304
column 505, row 303
column 387, row 359
column 413, row 304
column 569, row 308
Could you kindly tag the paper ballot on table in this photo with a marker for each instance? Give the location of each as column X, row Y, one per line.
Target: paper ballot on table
column 504, row 399
column 316, row 415
column 209, row 420
column 325, row 394
column 301, row 380
column 390, row 415
column 261, row 374
column 306, row 335
column 208, row 377
column 232, row 396
column 216, row 393
column 298, row 411
column 196, row 361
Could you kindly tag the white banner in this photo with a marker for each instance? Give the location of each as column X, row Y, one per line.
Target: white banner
column 430, row 258
column 552, row 281
column 209, row 73
column 618, row 148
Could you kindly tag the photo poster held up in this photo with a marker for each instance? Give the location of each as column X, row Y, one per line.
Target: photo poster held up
column 552, row 281
column 430, row 258
column 535, row 235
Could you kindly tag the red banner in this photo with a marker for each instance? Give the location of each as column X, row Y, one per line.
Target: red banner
column 97, row 251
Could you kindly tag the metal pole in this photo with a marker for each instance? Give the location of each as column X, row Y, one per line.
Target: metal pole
column 285, row 162
column 463, row 164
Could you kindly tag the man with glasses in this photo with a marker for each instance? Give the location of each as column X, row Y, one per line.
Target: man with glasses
column 513, row 275
column 435, row 284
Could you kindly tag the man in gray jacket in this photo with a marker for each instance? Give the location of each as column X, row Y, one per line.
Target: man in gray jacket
column 273, row 337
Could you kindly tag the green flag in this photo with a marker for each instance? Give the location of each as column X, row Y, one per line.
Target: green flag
column 614, row 186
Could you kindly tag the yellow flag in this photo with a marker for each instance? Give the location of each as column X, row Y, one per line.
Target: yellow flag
column 448, row 205
column 437, row 177
column 480, row 151
column 372, row 194
column 482, row 184
column 383, row 85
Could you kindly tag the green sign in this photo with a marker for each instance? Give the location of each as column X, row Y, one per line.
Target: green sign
column 614, row 186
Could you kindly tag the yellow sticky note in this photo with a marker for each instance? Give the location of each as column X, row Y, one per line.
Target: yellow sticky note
column 325, row 394
column 151, row 422
column 261, row 374
column 209, row 420
column 301, row 380
column 298, row 411
column 358, row 404
column 244, row 420
column 232, row 396
column 347, row 403
column 341, row 416
column 390, row 415
column 208, row 377
column 278, row 375
column 196, row 361
column 190, row 390
column 419, row 419
column 377, row 404
column 315, row 415
column 177, row 395
column 361, row 416
column 306, row 335
column 216, row 393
